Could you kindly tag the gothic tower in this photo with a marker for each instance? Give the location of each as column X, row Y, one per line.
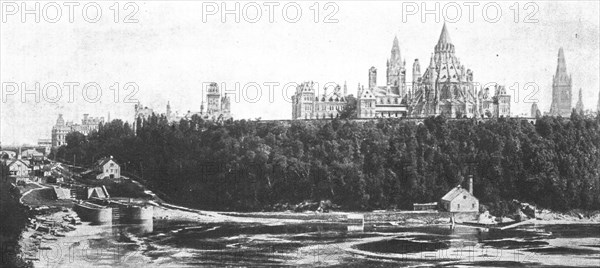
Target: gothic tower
column 365, row 106
column 535, row 111
column 304, row 101
column 561, row 88
column 225, row 104
column 395, row 70
column 416, row 74
column 416, row 71
column 579, row 105
column 168, row 109
column 372, row 78
column 213, row 98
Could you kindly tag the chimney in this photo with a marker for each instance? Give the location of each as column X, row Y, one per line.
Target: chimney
column 471, row 184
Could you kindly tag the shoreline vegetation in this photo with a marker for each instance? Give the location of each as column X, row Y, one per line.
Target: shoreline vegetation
column 381, row 164
column 249, row 167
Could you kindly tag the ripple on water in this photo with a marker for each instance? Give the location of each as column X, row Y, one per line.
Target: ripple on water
column 514, row 244
column 563, row 251
column 401, row 246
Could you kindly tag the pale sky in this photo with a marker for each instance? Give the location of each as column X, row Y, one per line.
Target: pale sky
column 170, row 52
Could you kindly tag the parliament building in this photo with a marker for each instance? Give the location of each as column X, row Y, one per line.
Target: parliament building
column 446, row 87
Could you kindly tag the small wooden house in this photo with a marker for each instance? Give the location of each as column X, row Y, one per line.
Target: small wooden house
column 460, row 200
column 17, row 168
column 107, row 168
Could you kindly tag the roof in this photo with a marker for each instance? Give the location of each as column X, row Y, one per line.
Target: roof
column 100, row 192
column 11, row 162
column 366, row 94
column 456, row 191
column 444, row 37
column 105, row 160
column 62, row 193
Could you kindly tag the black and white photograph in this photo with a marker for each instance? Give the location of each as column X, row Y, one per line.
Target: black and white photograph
column 308, row 133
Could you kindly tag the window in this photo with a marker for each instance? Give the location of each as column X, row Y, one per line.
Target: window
column 473, row 205
column 465, row 197
column 458, row 206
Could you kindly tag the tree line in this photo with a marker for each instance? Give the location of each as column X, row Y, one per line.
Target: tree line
column 380, row 164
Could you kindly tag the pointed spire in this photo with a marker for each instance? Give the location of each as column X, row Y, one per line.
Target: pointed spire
column 395, row 46
column 579, row 105
column 562, row 64
column 444, row 36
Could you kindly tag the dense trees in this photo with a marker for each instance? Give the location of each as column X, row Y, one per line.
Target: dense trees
column 12, row 223
column 250, row 165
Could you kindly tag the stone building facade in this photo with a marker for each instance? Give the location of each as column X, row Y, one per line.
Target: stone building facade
column 307, row 103
column 62, row 128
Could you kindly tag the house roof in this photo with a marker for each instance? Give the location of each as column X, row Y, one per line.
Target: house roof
column 13, row 161
column 104, row 160
column 62, row 193
column 100, row 192
column 456, row 191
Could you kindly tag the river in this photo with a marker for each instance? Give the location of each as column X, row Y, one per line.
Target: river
column 169, row 243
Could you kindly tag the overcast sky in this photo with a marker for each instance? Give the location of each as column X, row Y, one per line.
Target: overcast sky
column 170, row 52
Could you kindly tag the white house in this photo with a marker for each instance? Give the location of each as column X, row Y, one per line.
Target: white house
column 108, row 168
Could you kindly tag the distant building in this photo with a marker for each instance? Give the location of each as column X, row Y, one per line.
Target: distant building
column 307, row 104
column 445, row 88
column 579, row 105
column 535, row 111
column 32, row 155
column 107, row 168
column 62, row 128
column 17, row 168
column 366, row 103
column 561, row 88
column 460, row 200
column 218, row 108
column 46, row 143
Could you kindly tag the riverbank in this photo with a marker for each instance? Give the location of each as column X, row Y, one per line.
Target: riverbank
column 166, row 239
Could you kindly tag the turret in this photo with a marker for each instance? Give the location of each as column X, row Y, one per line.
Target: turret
column 168, row 109
column 372, row 77
column 60, row 121
column 416, row 71
column 579, row 105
